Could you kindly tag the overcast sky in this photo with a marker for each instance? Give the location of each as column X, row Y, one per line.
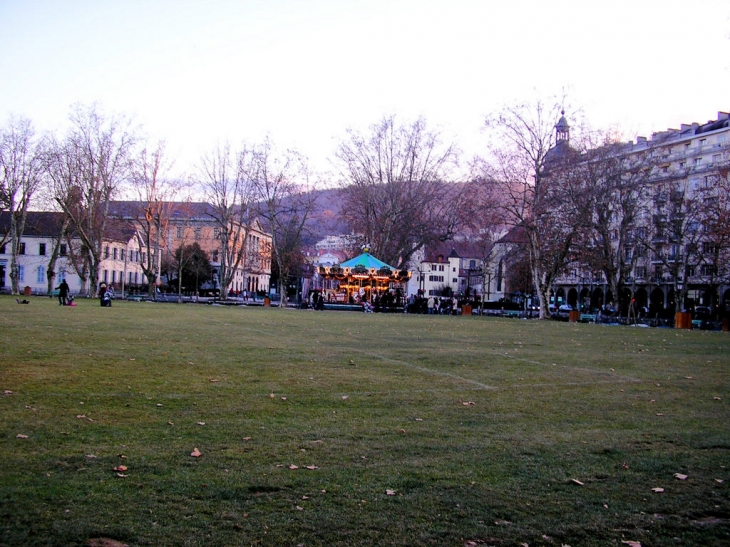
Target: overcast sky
column 199, row 72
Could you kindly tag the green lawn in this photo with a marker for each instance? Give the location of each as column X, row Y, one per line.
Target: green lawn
column 420, row 430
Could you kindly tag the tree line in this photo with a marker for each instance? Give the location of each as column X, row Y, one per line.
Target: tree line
column 582, row 202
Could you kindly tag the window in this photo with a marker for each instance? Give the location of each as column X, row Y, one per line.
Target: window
column 441, row 267
column 130, row 278
column 640, row 271
column 144, row 256
column 21, row 273
column 216, row 232
column 115, row 252
column 40, row 275
column 136, row 279
column 215, row 256
column 42, row 249
column 2, row 249
column 698, row 161
column 106, row 251
column 681, row 165
column 62, row 249
column 716, row 158
column 61, row 275
column 179, row 232
column 123, row 254
column 106, row 276
column 708, row 270
column 121, row 276
column 454, row 280
column 21, row 248
column 114, row 276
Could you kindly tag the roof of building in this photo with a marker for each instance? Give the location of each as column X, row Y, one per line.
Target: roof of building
column 37, row 223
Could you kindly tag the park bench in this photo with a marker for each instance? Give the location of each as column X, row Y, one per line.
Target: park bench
column 512, row 313
column 587, row 317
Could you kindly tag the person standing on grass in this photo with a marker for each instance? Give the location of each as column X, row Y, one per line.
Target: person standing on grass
column 62, row 293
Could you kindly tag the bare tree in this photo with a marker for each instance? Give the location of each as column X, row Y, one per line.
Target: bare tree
column 715, row 261
column 21, row 174
column 88, row 168
column 673, row 232
column 484, row 224
column 281, row 186
column 614, row 181
column 398, row 195
column 542, row 189
column 228, row 192
column 155, row 204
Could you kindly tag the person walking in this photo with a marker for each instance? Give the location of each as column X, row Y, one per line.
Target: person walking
column 62, row 293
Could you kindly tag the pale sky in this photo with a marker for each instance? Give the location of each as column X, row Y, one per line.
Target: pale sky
column 195, row 73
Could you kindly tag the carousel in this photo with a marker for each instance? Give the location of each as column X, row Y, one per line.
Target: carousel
column 362, row 279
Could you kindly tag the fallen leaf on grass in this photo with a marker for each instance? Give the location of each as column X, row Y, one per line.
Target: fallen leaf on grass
column 300, row 508
column 717, row 398
column 419, row 419
column 658, row 490
column 21, row 436
column 283, row 398
column 293, row 467
column 81, row 416
column 247, row 438
column 132, row 359
column 91, row 457
column 105, row 542
column 632, row 543
column 196, row 453
column 468, row 403
column 390, row 492
column 214, row 380
column 344, row 397
column 7, row 392
column 201, row 423
column 312, row 467
column 660, row 414
column 305, row 497
column 719, row 481
column 317, row 442
column 680, row 476
column 120, row 468
column 576, row 481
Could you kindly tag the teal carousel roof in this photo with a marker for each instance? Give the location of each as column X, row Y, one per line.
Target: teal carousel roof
column 366, row 260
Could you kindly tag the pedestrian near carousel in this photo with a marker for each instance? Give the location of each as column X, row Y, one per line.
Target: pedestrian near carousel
column 62, row 293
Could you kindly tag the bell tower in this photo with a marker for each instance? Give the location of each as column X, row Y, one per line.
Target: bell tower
column 562, row 129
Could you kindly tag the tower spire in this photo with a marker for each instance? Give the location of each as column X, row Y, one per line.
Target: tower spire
column 562, row 129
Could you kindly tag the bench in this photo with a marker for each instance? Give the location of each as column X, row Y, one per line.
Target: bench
column 512, row 313
column 587, row 317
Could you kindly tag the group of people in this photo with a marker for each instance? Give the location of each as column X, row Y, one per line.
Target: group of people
column 433, row 305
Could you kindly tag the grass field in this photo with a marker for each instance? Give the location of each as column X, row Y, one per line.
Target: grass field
column 404, row 430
